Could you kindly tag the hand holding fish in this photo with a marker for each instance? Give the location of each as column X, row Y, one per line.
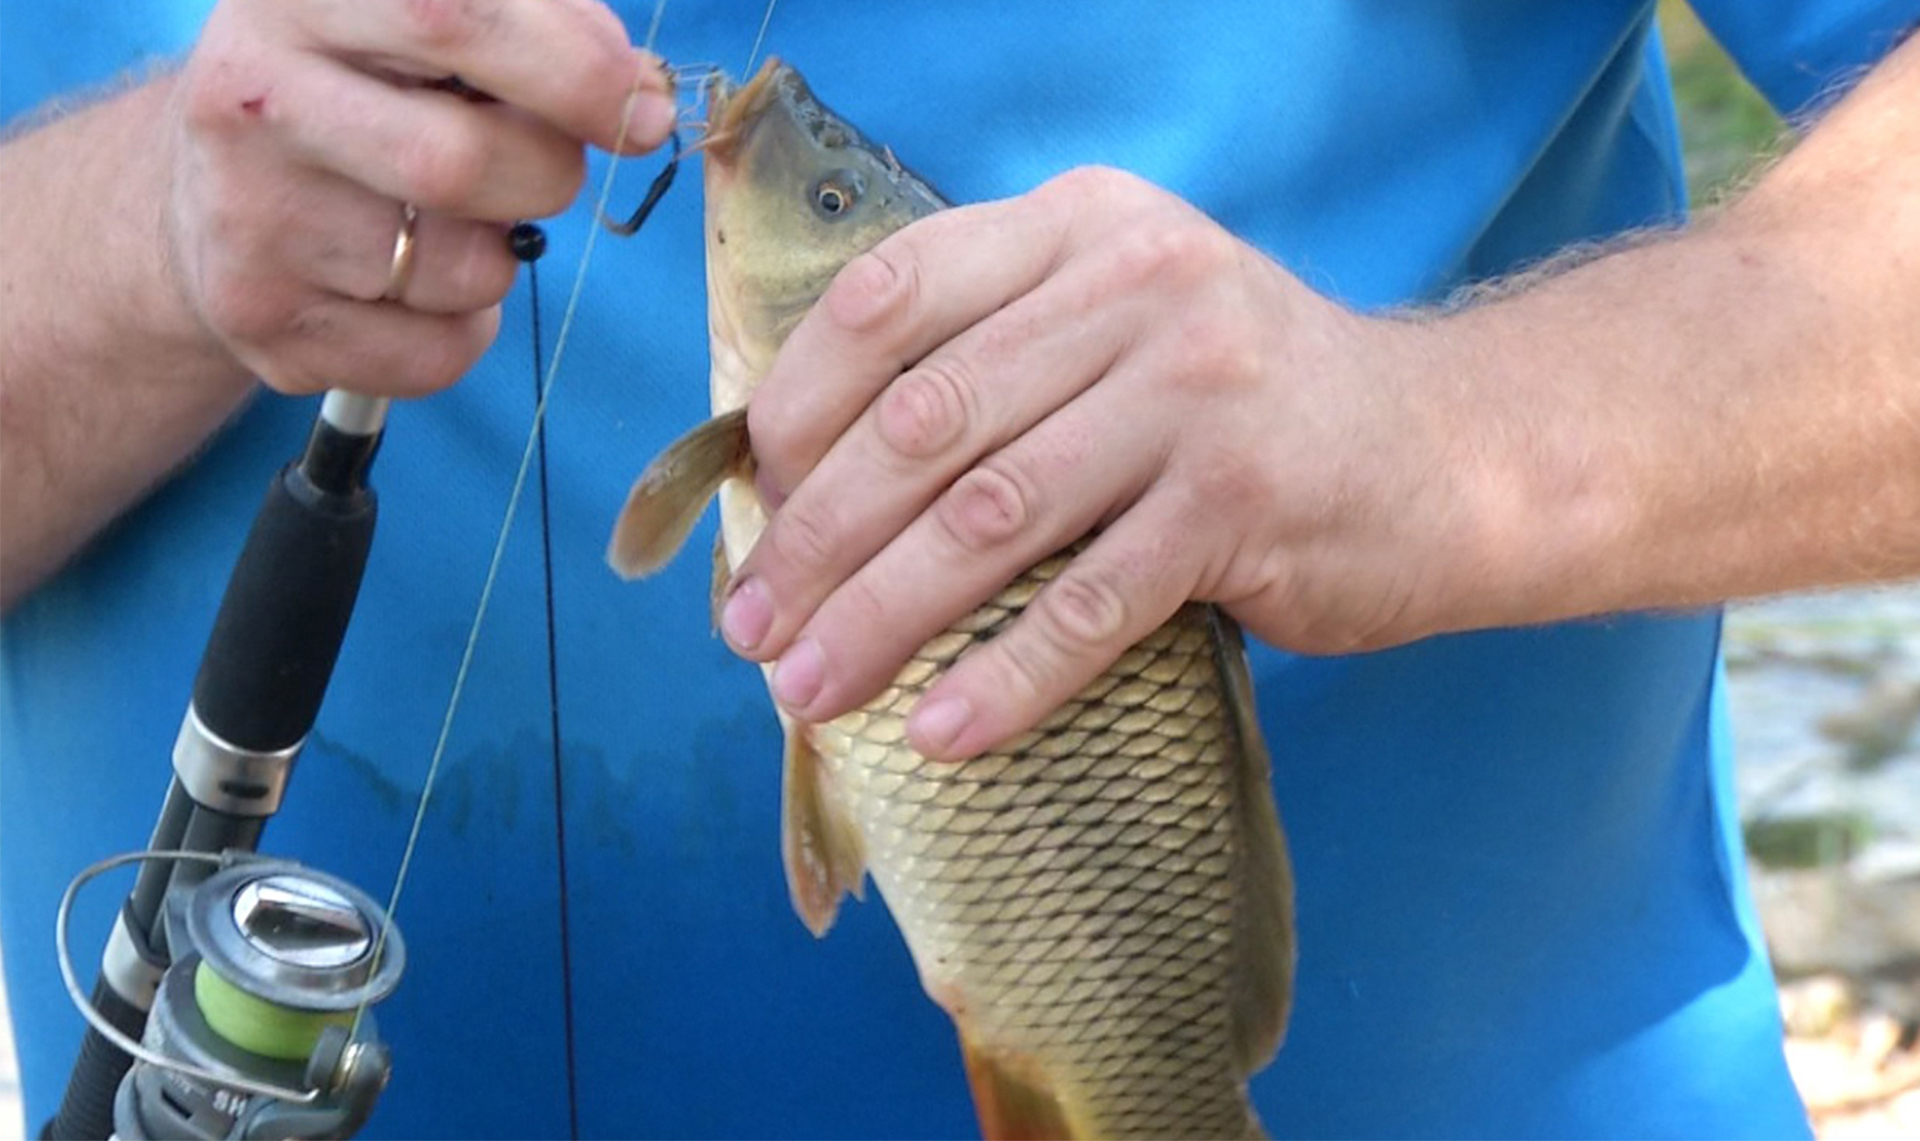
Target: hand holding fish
column 338, row 199
column 996, row 381
column 991, row 383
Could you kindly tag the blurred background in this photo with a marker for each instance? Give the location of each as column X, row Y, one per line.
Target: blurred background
column 1825, row 692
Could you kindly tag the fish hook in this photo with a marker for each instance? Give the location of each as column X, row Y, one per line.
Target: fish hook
column 655, row 192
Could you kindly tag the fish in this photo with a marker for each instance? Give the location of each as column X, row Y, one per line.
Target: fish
column 1103, row 906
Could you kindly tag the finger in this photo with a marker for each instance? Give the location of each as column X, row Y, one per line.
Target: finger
column 432, row 148
column 380, row 350
column 569, row 62
column 1129, row 581
column 457, row 266
column 1017, row 507
column 985, row 388
column 886, row 310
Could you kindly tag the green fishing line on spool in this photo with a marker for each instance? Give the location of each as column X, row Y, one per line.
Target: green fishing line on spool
column 259, row 1026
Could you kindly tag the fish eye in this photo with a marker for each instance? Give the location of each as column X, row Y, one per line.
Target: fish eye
column 835, row 195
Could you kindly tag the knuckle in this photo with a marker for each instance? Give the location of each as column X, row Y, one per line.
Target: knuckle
column 483, row 272
column 212, row 94
column 224, row 88
column 1175, row 254
column 878, row 287
column 779, row 453
column 436, row 362
column 927, row 410
column 986, row 508
column 861, row 605
column 1025, row 670
column 804, row 537
column 1098, row 190
column 567, row 173
column 441, row 169
column 1085, row 184
column 1082, row 611
column 449, row 25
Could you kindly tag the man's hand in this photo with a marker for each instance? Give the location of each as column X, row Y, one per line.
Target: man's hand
column 1715, row 414
column 1093, row 355
column 303, row 125
column 241, row 218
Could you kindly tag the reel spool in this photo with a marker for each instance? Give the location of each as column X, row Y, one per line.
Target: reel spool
column 259, row 1027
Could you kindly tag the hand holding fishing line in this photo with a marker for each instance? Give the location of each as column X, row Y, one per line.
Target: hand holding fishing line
column 338, row 206
column 1095, row 354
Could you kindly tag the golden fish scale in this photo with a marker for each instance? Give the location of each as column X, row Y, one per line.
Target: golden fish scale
column 1072, row 897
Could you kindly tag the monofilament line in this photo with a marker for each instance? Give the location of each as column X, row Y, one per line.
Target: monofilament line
column 765, row 19
column 653, row 29
column 500, row 543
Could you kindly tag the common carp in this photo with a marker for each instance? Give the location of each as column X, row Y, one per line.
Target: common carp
column 1104, row 906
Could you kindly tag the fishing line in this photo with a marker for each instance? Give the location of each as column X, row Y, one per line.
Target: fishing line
column 534, row 437
column 765, row 19
column 500, row 546
column 561, row 878
column 653, row 29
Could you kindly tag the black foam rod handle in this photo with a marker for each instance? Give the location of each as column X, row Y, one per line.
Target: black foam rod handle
column 285, row 613
column 86, row 1109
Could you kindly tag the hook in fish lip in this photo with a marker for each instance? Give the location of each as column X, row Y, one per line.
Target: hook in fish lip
column 731, row 105
column 656, row 190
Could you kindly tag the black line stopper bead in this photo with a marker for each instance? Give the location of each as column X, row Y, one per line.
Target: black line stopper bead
column 527, row 241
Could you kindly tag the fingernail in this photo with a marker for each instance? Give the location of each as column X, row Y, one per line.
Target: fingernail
column 650, row 117
column 655, row 74
column 936, row 725
column 747, row 616
column 799, row 674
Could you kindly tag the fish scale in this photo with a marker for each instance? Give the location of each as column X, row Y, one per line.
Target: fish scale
column 1082, row 905
column 1104, row 906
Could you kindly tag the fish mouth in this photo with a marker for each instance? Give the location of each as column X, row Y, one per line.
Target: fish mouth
column 732, row 108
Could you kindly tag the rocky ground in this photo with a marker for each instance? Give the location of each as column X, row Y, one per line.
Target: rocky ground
column 1825, row 691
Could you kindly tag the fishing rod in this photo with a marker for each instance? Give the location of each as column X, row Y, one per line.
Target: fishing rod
column 221, row 971
column 231, row 996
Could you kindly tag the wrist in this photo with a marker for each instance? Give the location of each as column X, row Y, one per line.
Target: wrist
column 1540, row 464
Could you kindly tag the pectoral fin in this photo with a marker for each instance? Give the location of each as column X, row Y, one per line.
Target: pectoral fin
column 669, row 497
column 824, row 854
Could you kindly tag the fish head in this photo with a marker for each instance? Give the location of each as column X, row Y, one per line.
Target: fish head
column 793, row 192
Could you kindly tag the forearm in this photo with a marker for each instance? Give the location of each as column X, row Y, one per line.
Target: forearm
column 109, row 378
column 1731, row 412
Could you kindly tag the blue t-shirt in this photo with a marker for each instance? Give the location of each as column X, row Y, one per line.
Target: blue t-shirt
column 1521, row 900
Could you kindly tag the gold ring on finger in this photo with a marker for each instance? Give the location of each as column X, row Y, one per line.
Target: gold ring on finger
column 403, row 247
